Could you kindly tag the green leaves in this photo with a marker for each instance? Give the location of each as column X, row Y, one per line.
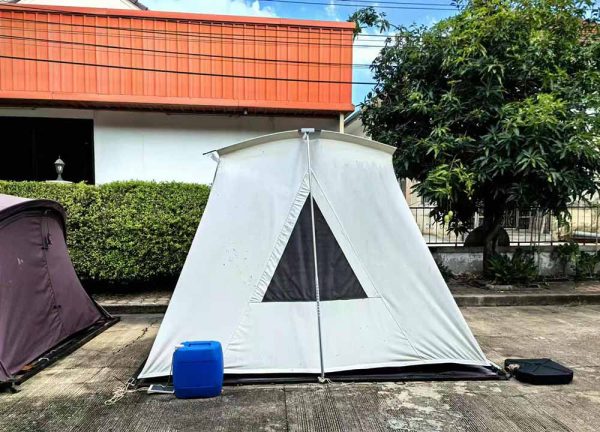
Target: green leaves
column 582, row 264
column 497, row 105
column 124, row 232
column 369, row 17
column 519, row 268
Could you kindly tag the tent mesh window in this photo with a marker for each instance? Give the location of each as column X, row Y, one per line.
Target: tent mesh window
column 294, row 278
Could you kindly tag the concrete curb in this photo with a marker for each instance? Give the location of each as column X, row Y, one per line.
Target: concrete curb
column 463, row 300
column 135, row 308
column 475, row 300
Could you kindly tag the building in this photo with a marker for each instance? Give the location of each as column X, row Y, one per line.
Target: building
column 111, row 4
column 132, row 94
column 353, row 125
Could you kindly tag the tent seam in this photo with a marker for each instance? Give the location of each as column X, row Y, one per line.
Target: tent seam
column 50, row 283
column 279, row 237
column 347, row 238
column 419, row 354
column 250, row 302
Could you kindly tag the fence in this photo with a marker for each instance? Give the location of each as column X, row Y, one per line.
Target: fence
column 524, row 227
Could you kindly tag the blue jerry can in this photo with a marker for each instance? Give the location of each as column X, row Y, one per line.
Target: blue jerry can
column 198, row 369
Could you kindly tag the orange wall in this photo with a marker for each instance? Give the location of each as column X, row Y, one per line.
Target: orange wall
column 110, row 47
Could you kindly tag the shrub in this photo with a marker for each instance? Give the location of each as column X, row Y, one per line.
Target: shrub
column 583, row 264
column 124, row 232
column 520, row 268
column 444, row 270
column 566, row 253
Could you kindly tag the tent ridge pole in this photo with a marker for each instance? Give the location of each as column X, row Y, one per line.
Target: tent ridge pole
column 306, row 137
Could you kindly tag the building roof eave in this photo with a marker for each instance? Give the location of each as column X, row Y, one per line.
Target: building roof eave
column 186, row 16
column 194, row 106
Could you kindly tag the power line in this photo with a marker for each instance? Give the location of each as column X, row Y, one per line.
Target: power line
column 192, row 35
column 361, row 5
column 133, row 68
column 196, row 35
column 378, row 2
column 183, row 55
column 178, row 21
column 355, row 3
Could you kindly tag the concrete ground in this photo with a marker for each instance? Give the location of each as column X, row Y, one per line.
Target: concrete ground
column 546, row 294
column 72, row 394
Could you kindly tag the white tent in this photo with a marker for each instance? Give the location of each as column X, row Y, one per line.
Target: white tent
column 249, row 279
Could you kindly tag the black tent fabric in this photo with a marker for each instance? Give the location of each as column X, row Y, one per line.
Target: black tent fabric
column 295, row 274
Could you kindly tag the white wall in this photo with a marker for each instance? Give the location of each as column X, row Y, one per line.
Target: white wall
column 163, row 147
column 461, row 260
column 355, row 127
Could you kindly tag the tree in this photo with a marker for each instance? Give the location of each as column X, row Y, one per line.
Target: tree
column 493, row 109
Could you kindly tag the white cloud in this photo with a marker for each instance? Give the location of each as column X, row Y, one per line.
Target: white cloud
column 224, row 7
column 430, row 21
column 364, row 52
column 331, row 10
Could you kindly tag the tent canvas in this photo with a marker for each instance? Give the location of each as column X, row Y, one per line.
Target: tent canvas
column 248, row 279
column 42, row 302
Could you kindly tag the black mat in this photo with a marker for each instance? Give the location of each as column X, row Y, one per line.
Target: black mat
column 541, row 371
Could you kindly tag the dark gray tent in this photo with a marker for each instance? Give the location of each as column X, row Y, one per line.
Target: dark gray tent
column 44, row 309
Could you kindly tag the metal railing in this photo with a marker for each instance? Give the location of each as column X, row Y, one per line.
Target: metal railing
column 524, row 227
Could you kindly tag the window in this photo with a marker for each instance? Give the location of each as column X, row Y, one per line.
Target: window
column 29, row 147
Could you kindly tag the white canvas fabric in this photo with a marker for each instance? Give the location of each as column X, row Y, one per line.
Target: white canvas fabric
column 409, row 316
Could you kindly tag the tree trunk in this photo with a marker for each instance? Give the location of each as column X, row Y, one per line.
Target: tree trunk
column 492, row 225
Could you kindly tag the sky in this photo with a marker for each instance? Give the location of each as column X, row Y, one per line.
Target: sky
column 330, row 10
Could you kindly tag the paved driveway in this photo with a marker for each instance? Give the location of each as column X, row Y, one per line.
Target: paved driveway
column 71, row 395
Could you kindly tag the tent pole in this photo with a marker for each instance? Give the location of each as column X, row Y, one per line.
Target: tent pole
column 306, row 136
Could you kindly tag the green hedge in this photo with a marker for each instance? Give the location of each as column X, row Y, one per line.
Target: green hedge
column 125, row 232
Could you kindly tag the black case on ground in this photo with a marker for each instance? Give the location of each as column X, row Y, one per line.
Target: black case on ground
column 541, row 371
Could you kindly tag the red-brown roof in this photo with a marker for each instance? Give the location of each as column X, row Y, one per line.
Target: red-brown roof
column 61, row 56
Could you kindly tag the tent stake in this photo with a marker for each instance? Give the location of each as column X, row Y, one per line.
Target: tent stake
column 306, row 137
